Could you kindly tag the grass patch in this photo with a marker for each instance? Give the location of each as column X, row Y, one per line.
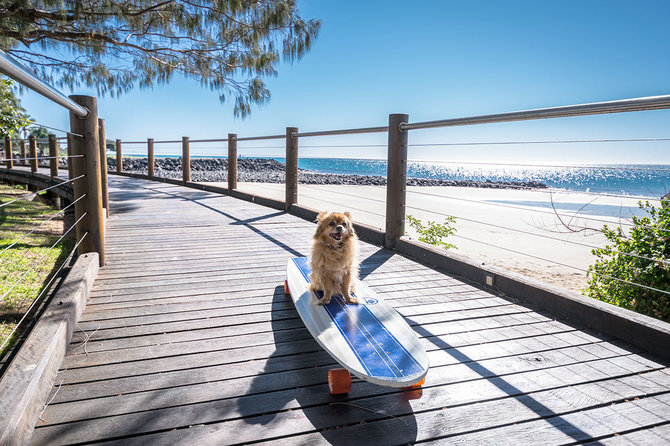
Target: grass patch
column 33, row 251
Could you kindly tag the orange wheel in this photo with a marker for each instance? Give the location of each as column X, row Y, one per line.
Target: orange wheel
column 286, row 291
column 417, row 385
column 339, row 381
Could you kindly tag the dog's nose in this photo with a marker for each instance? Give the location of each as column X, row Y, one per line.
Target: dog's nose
column 339, row 229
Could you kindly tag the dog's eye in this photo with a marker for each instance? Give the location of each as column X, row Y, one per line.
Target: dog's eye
column 344, row 223
column 332, row 223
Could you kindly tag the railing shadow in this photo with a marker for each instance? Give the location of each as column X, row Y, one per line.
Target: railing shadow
column 542, row 411
column 236, row 220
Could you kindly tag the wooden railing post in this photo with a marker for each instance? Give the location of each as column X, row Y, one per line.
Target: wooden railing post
column 185, row 159
column 291, row 168
column 53, row 155
column 33, row 153
column 150, row 158
column 8, row 153
column 396, row 178
column 102, row 143
column 90, row 230
column 119, row 158
column 53, row 167
column 232, row 162
column 24, row 155
column 70, row 139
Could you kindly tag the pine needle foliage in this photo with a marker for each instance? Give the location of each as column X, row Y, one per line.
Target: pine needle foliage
column 116, row 45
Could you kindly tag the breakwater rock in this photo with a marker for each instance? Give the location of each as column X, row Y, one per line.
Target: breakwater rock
column 258, row 170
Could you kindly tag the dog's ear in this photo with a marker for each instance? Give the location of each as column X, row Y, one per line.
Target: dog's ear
column 321, row 216
column 348, row 215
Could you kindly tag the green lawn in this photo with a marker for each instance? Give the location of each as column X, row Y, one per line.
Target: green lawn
column 34, row 252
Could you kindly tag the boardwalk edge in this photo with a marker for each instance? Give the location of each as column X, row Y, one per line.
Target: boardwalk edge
column 25, row 386
column 643, row 331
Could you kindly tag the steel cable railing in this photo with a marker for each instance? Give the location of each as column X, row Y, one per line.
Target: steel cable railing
column 535, row 234
column 32, row 194
column 479, row 222
column 43, row 158
column 37, row 262
column 397, row 130
column 39, row 297
column 54, row 215
column 561, row 264
column 509, row 206
column 50, row 146
column 67, row 132
column 83, row 190
column 321, row 198
column 540, row 211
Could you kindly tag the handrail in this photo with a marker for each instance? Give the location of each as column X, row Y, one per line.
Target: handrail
column 379, row 129
column 595, row 108
column 178, row 141
column 259, row 138
column 22, row 75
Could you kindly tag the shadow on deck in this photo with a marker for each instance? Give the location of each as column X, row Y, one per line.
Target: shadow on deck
column 188, row 337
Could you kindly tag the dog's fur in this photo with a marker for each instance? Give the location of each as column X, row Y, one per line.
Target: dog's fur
column 334, row 257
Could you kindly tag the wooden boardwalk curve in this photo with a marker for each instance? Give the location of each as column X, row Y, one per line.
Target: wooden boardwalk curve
column 188, row 338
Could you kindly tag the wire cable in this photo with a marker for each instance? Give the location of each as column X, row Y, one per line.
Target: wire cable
column 624, row 223
column 44, row 289
column 555, row 141
column 376, row 200
column 598, row 194
column 562, row 166
column 42, row 257
column 521, row 231
column 54, row 128
column 2, row 160
column 340, row 204
column 42, row 224
column 561, row 264
column 40, row 191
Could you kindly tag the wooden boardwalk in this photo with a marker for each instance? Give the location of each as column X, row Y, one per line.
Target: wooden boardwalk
column 188, row 338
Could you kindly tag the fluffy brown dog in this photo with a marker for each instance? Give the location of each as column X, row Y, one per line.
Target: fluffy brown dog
column 334, row 257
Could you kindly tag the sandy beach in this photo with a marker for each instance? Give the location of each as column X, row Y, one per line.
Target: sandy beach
column 513, row 229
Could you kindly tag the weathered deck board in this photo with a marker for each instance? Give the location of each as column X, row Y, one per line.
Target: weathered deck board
column 188, row 337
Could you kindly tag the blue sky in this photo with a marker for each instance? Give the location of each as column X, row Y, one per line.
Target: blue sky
column 435, row 60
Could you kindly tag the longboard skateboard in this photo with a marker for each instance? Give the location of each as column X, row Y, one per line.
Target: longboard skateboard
column 370, row 340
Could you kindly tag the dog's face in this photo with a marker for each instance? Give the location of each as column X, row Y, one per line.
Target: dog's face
column 334, row 227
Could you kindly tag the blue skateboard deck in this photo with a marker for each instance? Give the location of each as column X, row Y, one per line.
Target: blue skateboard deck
column 370, row 340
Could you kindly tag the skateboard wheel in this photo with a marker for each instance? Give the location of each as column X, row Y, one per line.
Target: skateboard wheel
column 339, row 381
column 417, row 385
column 286, row 291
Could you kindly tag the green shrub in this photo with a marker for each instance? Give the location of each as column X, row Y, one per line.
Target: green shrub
column 434, row 233
column 639, row 257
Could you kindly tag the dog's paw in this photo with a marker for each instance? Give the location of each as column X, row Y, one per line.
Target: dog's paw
column 352, row 300
column 324, row 301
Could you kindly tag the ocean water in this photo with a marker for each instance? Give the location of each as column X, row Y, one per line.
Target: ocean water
column 649, row 181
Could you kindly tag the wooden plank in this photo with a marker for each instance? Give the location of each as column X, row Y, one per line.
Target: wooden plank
column 510, row 327
column 654, row 436
column 439, row 355
column 279, row 386
column 502, row 406
column 182, row 341
column 213, row 357
column 184, row 347
column 447, row 313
